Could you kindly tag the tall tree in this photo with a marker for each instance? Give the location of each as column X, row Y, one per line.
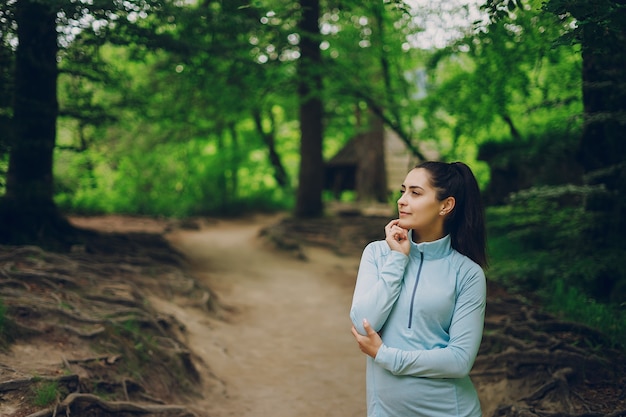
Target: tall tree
column 311, row 179
column 600, row 29
column 28, row 211
column 7, row 60
column 370, row 38
column 602, row 35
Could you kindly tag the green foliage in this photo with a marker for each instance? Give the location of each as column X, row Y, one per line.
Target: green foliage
column 505, row 82
column 603, row 21
column 171, row 179
column 547, row 242
column 575, row 305
column 550, row 227
column 45, row 393
column 170, row 130
column 180, row 138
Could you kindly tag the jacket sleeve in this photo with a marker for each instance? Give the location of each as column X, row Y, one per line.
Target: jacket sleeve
column 377, row 287
column 457, row 358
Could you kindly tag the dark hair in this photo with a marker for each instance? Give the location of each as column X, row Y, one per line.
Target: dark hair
column 466, row 222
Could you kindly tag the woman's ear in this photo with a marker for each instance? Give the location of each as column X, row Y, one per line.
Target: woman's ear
column 447, row 205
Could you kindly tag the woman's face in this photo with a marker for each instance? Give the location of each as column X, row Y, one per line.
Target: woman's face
column 418, row 206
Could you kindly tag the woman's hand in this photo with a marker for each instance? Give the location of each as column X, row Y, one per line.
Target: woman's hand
column 371, row 342
column 397, row 238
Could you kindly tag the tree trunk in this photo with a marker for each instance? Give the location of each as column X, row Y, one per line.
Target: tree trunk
column 27, row 212
column 602, row 142
column 311, row 177
column 604, row 96
column 371, row 175
column 269, row 138
column 602, row 149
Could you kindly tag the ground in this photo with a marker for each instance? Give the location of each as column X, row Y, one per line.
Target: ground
column 248, row 317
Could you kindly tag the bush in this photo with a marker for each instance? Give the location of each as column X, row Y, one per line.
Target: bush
column 548, row 242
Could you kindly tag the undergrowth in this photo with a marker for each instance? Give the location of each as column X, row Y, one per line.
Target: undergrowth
column 610, row 319
column 546, row 243
column 45, row 393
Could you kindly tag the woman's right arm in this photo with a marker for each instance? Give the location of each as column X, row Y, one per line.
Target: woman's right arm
column 377, row 287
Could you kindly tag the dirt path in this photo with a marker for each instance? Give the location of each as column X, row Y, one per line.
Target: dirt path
column 281, row 344
column 286, row 350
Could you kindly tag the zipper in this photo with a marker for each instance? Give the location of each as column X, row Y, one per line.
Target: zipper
column 417, row 280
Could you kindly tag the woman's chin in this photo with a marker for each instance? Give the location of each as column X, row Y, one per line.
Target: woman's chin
column 404, row 224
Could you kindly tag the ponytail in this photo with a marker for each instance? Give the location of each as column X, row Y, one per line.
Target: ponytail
column 466, row 222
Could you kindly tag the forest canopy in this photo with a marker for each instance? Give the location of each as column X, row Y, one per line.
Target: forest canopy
column 186, row 108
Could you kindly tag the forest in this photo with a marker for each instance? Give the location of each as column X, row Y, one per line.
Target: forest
column 220, row 108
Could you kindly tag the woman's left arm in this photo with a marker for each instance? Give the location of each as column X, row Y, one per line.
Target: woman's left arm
column 452, row 361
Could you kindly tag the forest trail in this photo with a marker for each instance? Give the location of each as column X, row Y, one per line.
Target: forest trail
column 274, row 340
column 285, row 347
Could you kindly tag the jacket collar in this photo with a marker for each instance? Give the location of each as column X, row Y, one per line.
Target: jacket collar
column 432, row 250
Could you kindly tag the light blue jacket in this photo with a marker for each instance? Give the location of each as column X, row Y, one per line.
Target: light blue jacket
column 429, row 309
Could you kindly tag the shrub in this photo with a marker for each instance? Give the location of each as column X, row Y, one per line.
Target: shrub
column 547, row 241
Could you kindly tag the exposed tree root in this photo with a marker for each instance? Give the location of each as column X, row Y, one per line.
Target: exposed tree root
column 516, row 360
column 76, row 404
column 17, row 384
column 546, row 365
column 530, row 363
column 96, row 296
column 513, row 411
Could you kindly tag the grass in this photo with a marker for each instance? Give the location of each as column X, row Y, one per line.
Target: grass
column 45, row 393
column 550, row 276
column 571, row 303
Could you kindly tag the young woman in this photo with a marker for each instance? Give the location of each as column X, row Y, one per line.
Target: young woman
column 419, row 300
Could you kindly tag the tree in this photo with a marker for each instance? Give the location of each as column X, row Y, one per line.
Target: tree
column 311, row 179
column 602, row 35
column 269, row 138
column 600, row 29
column 370, row 39
column 7, row 60
column 28, row 213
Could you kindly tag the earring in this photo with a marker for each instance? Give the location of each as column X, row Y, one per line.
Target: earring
column 442, row 212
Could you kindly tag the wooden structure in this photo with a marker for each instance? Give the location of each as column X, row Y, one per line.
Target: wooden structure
column 341, row 170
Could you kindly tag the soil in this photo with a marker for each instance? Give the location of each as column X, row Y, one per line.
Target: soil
column 248, row 317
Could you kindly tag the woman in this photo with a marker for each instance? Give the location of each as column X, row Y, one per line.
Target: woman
column 419, row 300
